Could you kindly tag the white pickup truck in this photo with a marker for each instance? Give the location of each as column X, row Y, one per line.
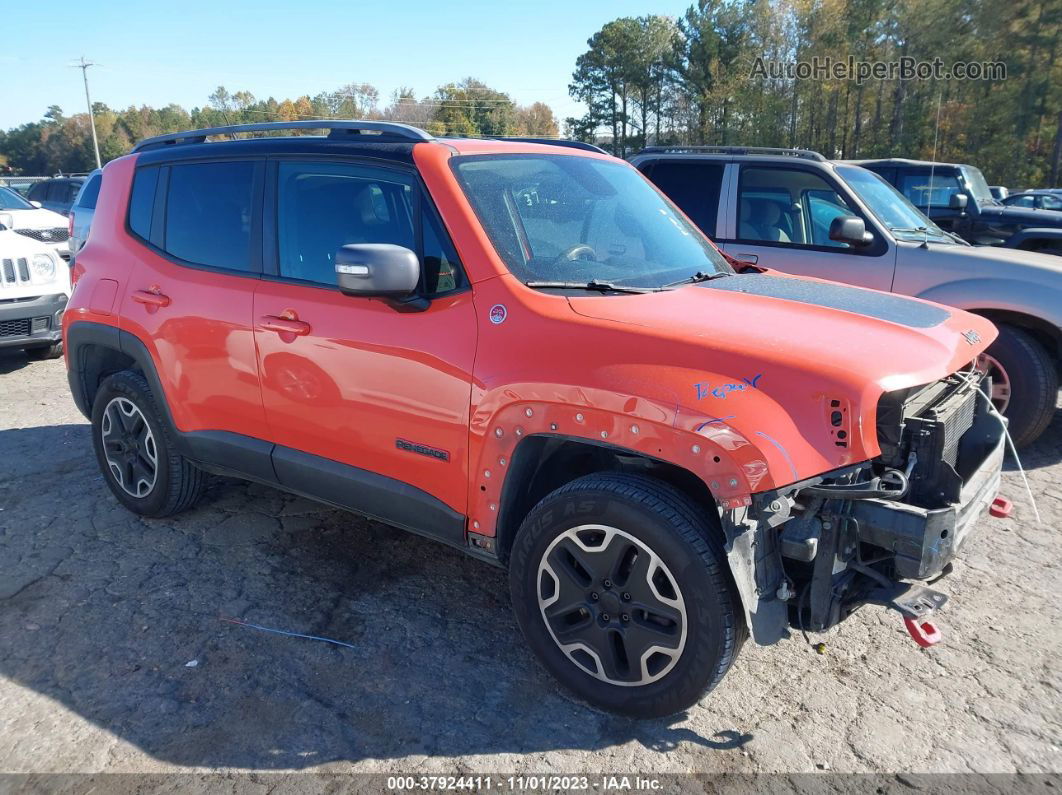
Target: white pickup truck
column 34, row 289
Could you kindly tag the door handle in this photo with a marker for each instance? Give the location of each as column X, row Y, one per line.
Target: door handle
column 283, row 325
column 742, row 256
column 150, row 297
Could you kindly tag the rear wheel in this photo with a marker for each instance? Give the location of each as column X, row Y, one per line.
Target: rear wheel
column 621, row 589
column 136, row 452
column 1024, row 382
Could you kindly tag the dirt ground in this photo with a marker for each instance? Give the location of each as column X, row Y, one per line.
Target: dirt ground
column 114, row 656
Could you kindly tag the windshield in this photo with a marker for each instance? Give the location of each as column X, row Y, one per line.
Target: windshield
column 977, row 185
column 9, row 200
column 890, row 206
column 564, row 218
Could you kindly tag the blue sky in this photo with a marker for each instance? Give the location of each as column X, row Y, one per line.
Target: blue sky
column 156, row 53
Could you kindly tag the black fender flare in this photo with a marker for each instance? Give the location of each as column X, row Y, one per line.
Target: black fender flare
column 84, row 375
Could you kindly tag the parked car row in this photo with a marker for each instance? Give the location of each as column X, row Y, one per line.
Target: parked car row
column 524, row 350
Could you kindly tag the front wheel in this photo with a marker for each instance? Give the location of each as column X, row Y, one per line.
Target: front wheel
column 621, row 588
column 1024, row 383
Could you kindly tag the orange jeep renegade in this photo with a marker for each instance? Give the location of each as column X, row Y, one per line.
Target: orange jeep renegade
column 525, row 351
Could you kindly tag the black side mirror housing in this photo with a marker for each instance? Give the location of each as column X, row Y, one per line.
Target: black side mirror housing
column 377, row 270
column 958, row 201
column 850, row 229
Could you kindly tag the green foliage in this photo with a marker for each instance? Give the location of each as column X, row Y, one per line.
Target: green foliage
column 58, row 143
column 654, row 80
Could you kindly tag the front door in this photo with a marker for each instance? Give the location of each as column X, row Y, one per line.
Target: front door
column 360, row 381
column 783, row 222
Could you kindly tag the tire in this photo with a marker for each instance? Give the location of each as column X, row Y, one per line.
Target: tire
column 53, row 351
column 155, row 479
column 1032, row 379
column 618, row 513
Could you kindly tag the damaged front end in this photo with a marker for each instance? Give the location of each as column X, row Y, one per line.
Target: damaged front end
column 806, row 556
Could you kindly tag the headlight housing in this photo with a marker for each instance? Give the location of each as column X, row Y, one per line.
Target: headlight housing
column 43, row 267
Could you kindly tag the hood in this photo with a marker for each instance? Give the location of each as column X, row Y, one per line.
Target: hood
column 1000, row 260
column 38, row 218
column 846, row 334
column 13, row 245
column 1026, row 215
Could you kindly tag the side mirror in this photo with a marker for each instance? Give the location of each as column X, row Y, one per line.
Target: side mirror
column 850, row 229
column 36, row 204
column 958, row 201
column 378, row 270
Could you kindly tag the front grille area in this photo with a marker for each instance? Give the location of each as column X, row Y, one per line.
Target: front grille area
column 56, row 234
column 14, row 272
column 930, row 422
column 15, row 328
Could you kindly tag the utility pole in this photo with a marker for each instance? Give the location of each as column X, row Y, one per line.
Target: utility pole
column 83, row 65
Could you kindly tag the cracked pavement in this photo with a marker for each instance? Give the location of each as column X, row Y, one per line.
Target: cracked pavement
column 101, row 613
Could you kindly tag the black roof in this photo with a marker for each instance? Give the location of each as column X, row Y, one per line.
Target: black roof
column 400, row 151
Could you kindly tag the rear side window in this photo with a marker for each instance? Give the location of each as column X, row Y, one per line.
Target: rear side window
column 142, row 201
column 38, row 191
column 694, row 187
column 91, row 193
column 209, row 210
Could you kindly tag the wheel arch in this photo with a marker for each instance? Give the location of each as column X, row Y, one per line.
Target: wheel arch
column 1049, row 336
column 95, row 351
column 543, row 463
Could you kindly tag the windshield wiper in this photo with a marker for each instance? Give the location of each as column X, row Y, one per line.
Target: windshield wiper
column 699, row 276
column 595, row 285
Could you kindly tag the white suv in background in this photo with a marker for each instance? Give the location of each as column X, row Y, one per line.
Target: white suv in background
column 34, row 289
column 31, row 220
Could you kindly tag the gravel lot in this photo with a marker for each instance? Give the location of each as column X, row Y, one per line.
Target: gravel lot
column 102, row 615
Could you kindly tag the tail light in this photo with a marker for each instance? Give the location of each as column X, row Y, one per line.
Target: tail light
column 70, row 224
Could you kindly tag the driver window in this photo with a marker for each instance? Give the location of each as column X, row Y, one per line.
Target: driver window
column 789, row 207
column 323, row 206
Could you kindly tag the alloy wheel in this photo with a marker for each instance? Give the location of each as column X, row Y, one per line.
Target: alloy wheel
column 611, row 605
column 989, row 365
column 129, row 447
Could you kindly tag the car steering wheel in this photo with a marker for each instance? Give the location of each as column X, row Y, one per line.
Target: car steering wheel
column 580, row 251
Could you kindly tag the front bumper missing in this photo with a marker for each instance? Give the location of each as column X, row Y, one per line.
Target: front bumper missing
column 924, row 540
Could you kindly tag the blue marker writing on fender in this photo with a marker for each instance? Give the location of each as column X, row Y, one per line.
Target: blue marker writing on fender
column 705, row 389
column 714, row 420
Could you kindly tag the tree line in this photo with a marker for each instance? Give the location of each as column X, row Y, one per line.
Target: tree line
column 59, row 143
column 723, row 74
column 720, row 74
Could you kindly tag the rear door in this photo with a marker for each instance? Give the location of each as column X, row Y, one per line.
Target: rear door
column 190, row 292
column 360, row 382
column 782, row 221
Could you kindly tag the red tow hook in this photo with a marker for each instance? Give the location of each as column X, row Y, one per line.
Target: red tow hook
column 1001, row 507
column 924, row 634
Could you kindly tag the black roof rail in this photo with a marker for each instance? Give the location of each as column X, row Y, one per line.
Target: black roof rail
column 807, row 154
column 339, row 128
column 568, row 142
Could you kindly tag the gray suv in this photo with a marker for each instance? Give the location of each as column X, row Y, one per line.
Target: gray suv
column 793, row 210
